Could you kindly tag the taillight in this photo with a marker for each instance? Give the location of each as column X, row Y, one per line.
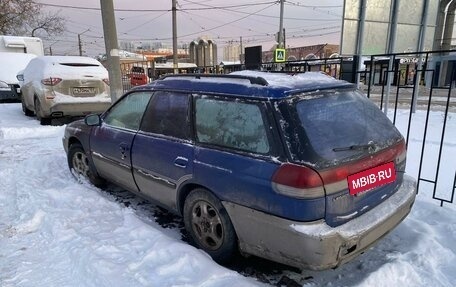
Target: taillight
column 106, row 81
column 51, row 81
column 297, row 181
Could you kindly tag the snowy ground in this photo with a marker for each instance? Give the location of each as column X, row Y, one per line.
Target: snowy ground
column 55, row 231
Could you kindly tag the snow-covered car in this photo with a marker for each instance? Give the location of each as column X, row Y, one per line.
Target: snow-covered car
column 304, row 170
column 64, row 86
column 11, row 64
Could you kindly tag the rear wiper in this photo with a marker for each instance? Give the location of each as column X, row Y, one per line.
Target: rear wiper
column 370, row 145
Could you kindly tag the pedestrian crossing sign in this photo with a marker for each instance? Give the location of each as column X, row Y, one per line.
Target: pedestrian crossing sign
column 279, row 55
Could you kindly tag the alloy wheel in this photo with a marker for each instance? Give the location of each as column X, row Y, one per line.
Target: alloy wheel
column 81, row 164
column 207, row 225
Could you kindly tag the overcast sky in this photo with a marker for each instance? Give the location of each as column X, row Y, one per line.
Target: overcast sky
column 307, row 22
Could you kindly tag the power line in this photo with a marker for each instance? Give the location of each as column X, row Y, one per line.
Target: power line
column 239, row 27
column 98, row 8
column 313, row 6
column 234, row 21
column 230, row 13
column 147, row 22
column 266, row 16
column 156, row 10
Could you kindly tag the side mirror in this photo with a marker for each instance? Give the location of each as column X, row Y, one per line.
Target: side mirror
column 92, row 120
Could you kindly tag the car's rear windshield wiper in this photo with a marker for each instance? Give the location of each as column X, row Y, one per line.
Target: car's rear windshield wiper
column 370, row 145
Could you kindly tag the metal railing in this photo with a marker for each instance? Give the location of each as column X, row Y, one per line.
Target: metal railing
column 424, row 82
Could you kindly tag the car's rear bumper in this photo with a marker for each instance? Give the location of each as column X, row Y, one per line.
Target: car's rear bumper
column 79, row 109
column 316, row 245
column 72, row 109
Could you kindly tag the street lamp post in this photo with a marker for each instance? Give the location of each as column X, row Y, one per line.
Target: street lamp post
column 280, row 35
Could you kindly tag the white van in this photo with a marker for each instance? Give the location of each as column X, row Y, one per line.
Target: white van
column 11, row 64
column 24, row 45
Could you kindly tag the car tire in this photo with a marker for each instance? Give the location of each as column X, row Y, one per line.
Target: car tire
column 209, row 225
column 26, row 111
column 79, row 165
column 43, row 120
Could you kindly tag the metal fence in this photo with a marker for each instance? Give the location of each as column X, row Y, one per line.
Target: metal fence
column 421, row 86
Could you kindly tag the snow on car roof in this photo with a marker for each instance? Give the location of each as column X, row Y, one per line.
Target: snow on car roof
column 69, row 59
column 68, row 67
column 290, row 80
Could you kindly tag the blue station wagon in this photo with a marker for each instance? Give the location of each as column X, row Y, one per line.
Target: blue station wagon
column 300, row 169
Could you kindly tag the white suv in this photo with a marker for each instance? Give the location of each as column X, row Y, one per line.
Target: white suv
column 64, row 86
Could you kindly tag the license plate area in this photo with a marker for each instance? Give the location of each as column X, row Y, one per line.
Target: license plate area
column 84, row 91
column 371, row 178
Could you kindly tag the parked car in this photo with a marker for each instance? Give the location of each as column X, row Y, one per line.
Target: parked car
column 12, row 63
column 140, row 74
column 303, row 170
column 64, row 86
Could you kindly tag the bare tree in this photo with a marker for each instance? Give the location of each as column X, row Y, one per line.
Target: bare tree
column 25, row 17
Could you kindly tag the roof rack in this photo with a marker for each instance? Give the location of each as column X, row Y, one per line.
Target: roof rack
column 253, row 80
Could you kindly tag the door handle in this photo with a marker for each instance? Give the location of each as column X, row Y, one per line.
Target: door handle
column 181, row 162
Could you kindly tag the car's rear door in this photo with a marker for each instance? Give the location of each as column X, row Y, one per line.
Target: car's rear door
column 162, row 154
column 110, row 143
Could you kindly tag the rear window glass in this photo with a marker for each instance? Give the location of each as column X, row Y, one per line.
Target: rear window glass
column 137, row 70
column 79, row 65
column 335, row 121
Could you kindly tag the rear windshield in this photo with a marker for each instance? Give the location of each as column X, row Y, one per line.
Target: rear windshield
column 137, row 70
column 79, row 65
column 335, row 126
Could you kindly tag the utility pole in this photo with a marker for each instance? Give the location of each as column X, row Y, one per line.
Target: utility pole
column 175, row 65
column 391, row 47
column 280, row 36
column 80, row 42
column 240, row 55
column 112, row 48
